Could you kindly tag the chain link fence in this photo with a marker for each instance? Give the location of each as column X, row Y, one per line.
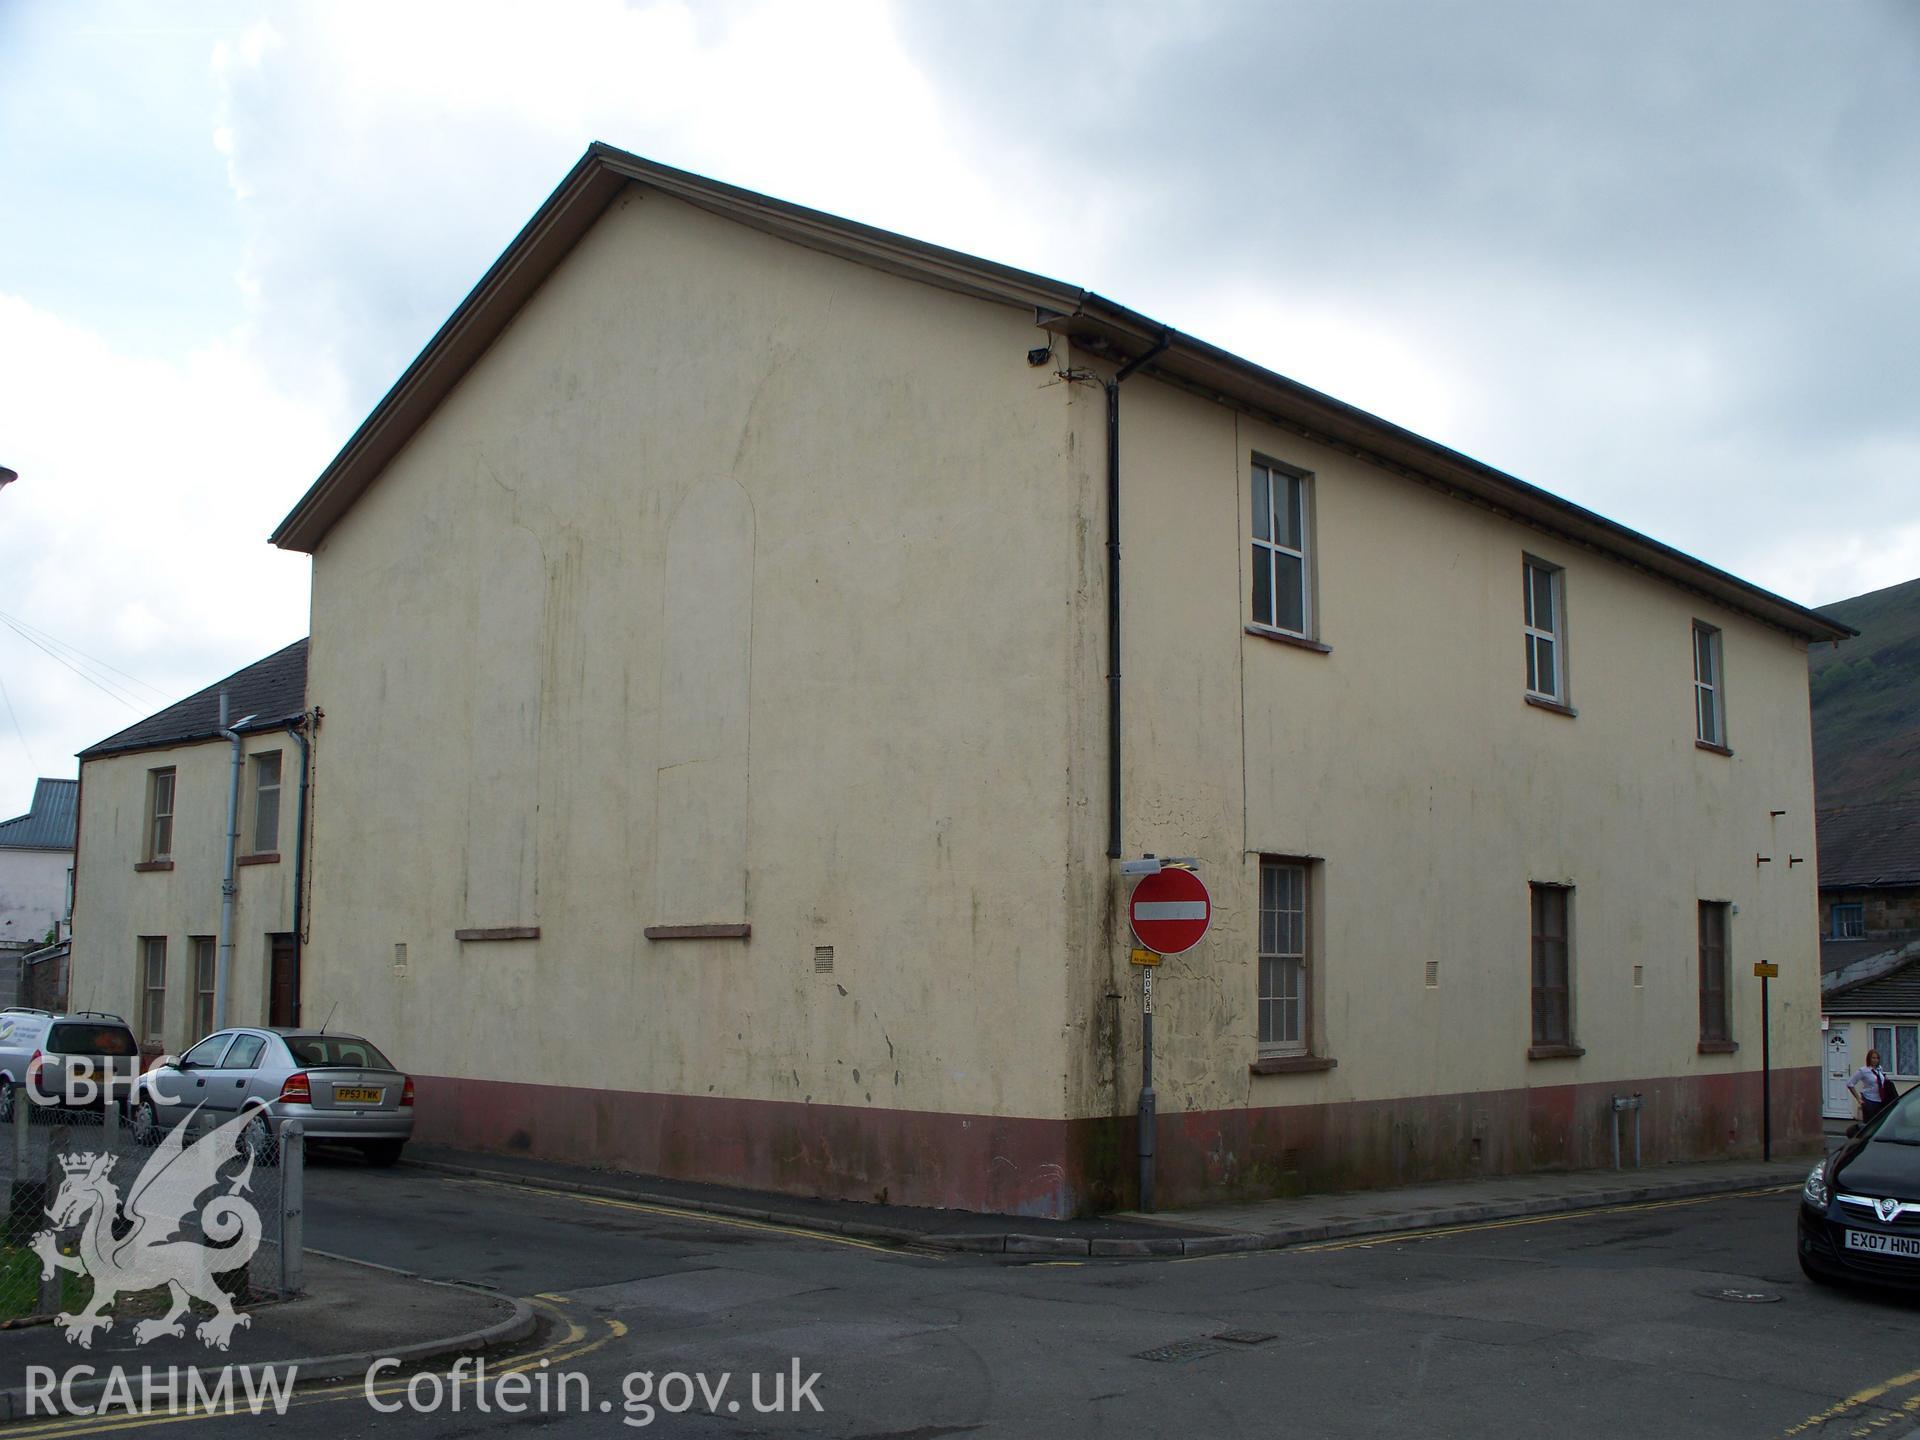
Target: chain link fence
column 174, row 1227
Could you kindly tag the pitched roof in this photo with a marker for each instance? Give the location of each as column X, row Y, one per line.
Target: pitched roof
column 1093, row 323
column 49, row 823
column 269, row 690
column 1837, row 955
column 1866, row 846
column 1889, row 989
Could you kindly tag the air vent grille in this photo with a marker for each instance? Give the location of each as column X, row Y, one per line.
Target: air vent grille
column 823, row 959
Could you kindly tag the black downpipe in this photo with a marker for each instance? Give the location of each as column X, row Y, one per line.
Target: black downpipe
column 1113, row 589
column 297, row 728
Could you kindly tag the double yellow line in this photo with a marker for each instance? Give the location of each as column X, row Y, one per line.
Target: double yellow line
column 1900, row 1415
column 569, row 1346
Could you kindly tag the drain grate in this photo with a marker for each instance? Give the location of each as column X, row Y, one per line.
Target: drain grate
column 1181, row 1350
column 1246, row 1337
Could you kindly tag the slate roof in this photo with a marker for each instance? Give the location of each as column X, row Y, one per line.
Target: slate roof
column 1863, row 846
column 49, row 824
column 1895, row 993
column 270, row 690
column 1836, row 955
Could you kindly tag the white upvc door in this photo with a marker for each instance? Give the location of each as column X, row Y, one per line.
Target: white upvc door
column 1839, row 1104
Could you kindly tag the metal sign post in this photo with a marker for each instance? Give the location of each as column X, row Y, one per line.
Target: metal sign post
column 1766, row 972
column 1146, row 1088
column 1169, row 913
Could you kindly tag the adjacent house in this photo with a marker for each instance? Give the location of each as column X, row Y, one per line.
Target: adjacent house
column 154, row 806
column 36, row 879
column 1870, row 872
column 1870, row 942
column 751, row 642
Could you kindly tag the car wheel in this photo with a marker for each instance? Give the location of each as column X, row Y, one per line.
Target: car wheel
column 383, row 1152
column 258, row 1141
column 6, row 1101
column 1816, row 1276
column 144, row 1123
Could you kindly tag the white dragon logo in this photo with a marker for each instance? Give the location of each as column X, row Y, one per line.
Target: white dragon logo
column 135, row 1245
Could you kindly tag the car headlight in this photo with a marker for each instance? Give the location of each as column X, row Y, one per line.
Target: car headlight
column 1815, row 1191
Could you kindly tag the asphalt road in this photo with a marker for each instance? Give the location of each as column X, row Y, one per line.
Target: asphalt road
column 1605, row 1325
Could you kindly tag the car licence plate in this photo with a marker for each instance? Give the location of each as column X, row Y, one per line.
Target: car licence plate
column 351, row 1095
column 1884, row 1244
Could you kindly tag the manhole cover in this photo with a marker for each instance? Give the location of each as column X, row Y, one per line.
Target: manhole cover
column 1182, row 1350
column 1246, row 1337
column 1736, row 1296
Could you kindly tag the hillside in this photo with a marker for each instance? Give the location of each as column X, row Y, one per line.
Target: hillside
column 1866, row 701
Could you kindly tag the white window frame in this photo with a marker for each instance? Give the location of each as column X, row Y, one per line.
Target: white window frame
column 1889, row 1048
column 1709, row 690
column 1841, row 929
column 1556, row 635
column 263, row 845
column 1273, row 945
column 163, row 780
column 1267, row 550
column 153, row 997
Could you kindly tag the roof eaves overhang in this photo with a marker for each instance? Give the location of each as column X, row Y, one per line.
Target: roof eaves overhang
column 919, row 260
column 569, row 212
column 253, row 725
column 1106, row 328
column 1092, row 321
column 474, row 325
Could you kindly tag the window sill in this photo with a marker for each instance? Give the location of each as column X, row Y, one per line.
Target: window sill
column 1555, row 1052
column 260, row 857
column 145, row 867
column 1299, row 642
column 1552, row 707
column 1718, row 1047
column 1291, row 1064
column 698, row 932
column 500, row 932
column 1709, row 745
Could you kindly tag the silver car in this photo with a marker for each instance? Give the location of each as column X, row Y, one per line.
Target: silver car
column 73, row 1060
column 340, row 1087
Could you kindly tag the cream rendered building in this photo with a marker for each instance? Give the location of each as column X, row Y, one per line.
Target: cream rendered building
column 726, row 759
column 152, row 858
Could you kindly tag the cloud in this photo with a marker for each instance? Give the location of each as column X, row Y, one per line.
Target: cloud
column 1657, row 258
column 136, row 531
column 381, row 157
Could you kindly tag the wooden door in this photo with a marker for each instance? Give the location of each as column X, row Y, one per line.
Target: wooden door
column 283, row 1004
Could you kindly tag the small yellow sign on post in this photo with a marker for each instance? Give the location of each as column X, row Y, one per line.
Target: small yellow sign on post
column 1766, row 971
column 1144, row 957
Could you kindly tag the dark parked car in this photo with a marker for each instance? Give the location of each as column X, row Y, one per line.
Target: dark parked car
column 1860, row 1209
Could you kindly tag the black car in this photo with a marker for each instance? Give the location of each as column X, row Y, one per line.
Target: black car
column 1860, row 1209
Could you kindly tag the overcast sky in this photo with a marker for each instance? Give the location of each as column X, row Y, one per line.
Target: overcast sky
column 1662, row 259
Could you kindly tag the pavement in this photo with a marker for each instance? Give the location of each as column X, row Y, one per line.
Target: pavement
column 1268, row 1225
column 352, row 1314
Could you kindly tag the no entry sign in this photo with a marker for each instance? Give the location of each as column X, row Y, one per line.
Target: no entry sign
column 1170, row 911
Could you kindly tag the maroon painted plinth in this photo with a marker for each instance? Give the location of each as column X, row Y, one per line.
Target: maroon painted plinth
column 1040, row 1167
column 903, row 1157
